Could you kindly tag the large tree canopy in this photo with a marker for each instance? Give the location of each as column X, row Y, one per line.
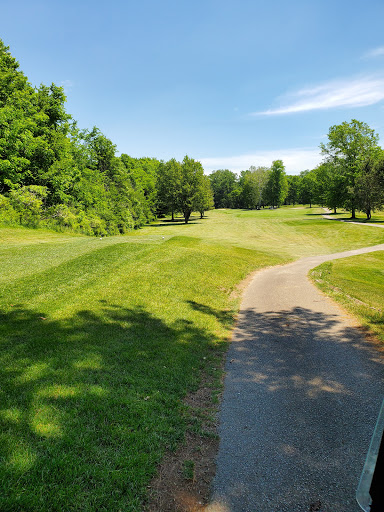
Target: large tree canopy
column 348, row 146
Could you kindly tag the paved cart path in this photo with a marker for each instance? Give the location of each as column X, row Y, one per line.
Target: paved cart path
column 302, row 393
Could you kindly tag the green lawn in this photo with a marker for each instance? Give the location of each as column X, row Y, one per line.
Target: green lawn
column 357, row 283
column 101, row 340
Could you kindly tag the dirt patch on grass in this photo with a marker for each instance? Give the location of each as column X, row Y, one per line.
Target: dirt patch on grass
column 184, row 478
column 238, row 291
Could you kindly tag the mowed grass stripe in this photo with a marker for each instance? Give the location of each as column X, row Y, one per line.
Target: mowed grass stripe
column 71, row 277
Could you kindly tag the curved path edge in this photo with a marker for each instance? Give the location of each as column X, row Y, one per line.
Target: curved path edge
column 302, row 391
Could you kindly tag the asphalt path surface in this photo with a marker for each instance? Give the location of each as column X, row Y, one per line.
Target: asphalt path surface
column 301, row 397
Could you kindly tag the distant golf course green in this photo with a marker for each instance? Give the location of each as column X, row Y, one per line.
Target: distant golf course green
column 102, row 338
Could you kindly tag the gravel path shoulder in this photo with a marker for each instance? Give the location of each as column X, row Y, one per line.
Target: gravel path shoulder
column 302, row 392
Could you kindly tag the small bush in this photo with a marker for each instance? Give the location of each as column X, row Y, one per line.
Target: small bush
column 28, row 202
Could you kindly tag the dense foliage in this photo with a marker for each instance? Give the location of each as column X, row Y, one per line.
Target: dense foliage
column 253, row 189
column 55, row 174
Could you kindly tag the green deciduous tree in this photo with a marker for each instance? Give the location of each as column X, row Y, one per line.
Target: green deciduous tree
column 348, row 147
column 18, row 121
column 225, row 187
column 192, row 174
column 28, row 202
column 51, row 102
column 370, row 184
column 276, row 189
column 293, row 189
column 143, row 173
column 253, row 183
column 307, row 187
column 204, row 199
column 168, row 187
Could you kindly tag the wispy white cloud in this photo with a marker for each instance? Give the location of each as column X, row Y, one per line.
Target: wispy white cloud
column 67, row 85
column 375, row 52
column 295, row 160
column 356, row 92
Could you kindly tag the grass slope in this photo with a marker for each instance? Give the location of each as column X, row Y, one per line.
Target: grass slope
column 357, row 283
column 101, row 340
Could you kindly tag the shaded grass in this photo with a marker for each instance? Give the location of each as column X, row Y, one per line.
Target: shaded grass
column 102, row 339
column 377, row 217
column 357, row 283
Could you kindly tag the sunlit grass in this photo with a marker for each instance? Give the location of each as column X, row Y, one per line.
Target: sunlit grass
column 287, row 232
column 102, row 338
column 357, row 283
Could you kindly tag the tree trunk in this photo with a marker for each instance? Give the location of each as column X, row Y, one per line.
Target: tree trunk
column 187, row 214
column 353, row 216
column 368, row 212
column 173, row 216
column 334, row 210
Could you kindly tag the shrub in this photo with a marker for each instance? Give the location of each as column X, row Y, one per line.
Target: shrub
column 28, row 202
column 7, row 212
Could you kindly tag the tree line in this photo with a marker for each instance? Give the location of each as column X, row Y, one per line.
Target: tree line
column 55, row 174
column 254, row 188
column 351, row 176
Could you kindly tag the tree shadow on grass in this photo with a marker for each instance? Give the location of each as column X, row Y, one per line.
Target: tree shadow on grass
column 226, row 318
column 365, row 221
column 179, row 220
column 89, row 404
column 178, row 223
column 301, row 400
column 345, row 217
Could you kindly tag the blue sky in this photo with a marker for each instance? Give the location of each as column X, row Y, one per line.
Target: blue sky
column 230, row 83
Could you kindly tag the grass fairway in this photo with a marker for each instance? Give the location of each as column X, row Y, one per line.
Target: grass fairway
column 101, row 340
column 358, row 284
